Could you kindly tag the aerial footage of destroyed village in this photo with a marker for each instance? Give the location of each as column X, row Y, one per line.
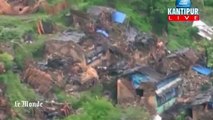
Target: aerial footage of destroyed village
column 105, row 60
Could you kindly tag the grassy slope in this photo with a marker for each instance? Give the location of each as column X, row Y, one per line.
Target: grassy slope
column 13, row 27
column 17, row 91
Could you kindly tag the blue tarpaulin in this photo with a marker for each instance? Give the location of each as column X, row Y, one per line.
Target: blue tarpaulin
column 202, row 70
column 138, row 78
column 118, row 17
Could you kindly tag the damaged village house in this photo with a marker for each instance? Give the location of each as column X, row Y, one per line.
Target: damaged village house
column 69, row 64
column 71, row 59
column 78, row 59
column 161, row 89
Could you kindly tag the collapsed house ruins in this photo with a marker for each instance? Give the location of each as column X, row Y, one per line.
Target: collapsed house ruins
column 156, row 85
column 157, row 91
column 202, row 105
column 23, row 7
column 98, row 47
column 13, row 7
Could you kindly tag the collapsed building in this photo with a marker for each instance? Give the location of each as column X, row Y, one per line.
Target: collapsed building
column 65, row 65
column 39, row 80
column 17, row 7
column 173, row 72
column 157, row 91
column 72, row 61
column 178, row 61
column 202, row 106
column 21, row 7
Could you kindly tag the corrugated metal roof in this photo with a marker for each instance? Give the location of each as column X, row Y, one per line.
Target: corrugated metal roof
column 152, row 74
column 205, row 97
column 147, row 74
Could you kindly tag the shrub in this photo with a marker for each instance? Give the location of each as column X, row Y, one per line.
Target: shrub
column 135, row 113
column 7, row 59
column 97, row 109
column 23, row 52
column 16, row 91
column 6, row 35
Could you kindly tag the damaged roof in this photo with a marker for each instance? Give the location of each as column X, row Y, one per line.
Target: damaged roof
column 162, row 83
column 155, row 76
column 204, row 97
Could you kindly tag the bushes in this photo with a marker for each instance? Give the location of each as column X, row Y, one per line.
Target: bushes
column 15, row 91
column 97, row 108
column 135, row 113
column 208, row 3
column 181, row 116
column 6, row 35
column 101, row 109
column 210, row 56
column 28, row 51
column 7, row 59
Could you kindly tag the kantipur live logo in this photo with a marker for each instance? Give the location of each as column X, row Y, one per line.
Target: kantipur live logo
column 183, row 12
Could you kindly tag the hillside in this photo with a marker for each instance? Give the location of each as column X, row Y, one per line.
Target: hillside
column 26, row 80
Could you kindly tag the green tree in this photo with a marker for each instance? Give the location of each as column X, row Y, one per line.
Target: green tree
column 156, row 11
column 210, row 55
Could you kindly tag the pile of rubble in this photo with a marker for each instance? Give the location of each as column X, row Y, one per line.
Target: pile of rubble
column 38, row 79
column 71, row 59
column 65, row 67
column 179, row 61
column 18, row 7
column 22, row 7
column 193, row 83
column 51, row 110
column 99, row 45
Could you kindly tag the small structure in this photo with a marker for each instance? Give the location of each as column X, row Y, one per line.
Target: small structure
column 159, row 91
column 202, row 106
column 204, row 30
column 45, row 27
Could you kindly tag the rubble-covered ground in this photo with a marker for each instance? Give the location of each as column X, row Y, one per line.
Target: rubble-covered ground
column 53, row 53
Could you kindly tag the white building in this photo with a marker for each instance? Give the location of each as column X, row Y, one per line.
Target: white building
column 204, row 30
